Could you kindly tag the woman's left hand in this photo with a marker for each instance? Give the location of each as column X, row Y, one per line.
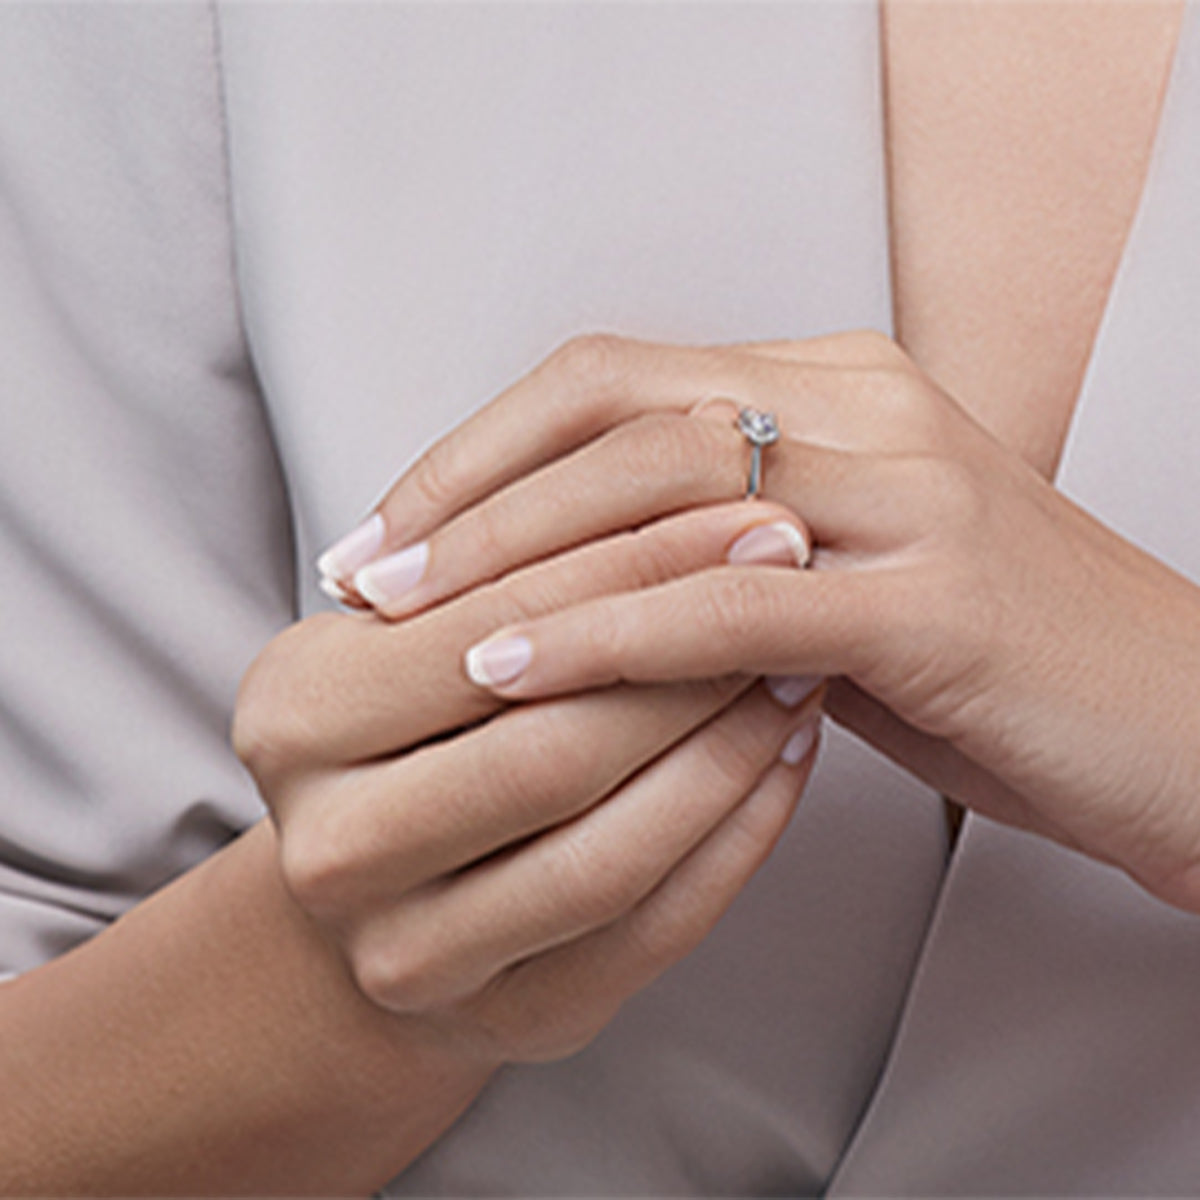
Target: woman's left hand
column 989, row 635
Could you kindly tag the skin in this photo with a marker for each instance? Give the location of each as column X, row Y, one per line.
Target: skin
column 1019, row 136
column 1006, row 230
column 258, row 1028
column 478, row 878
column 212, row 1042
column 339, row 1059
column 986, row 633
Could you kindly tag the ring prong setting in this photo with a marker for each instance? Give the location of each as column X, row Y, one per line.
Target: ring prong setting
column 759, row 429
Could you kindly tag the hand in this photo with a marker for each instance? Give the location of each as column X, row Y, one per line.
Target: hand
column 509, row 876
column 989, row 635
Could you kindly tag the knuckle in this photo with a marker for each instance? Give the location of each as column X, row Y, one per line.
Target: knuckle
column 385, row 981
column 602, row 644
column 276, row 716
column 679, row 450
column 587, row 884
column 519, row 1023
column 645, row 447
column 253, row 733
column 373, row 980
column 264, row 737
column 511, row 599
column 591, row 360
column 313, row 866
column 709, row 453
column 903, row 403
column 524, row 596
column 435, row 477
column 654, row 557
column 404, row 975
column 489, row 532
column 540, row 767
column 735, row 758
column 663, row 934
column 735, row 609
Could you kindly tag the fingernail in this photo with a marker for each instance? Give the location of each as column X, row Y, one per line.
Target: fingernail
column 333, row 589
column 355, row 550
column 777, row 543
column 498, row 661
column 800, row 743
column 386, row 580
column 792, row 690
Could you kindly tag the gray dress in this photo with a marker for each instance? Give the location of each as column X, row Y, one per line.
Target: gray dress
column 252, row 259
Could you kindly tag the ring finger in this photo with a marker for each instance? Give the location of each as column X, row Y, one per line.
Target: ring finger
column 589, row 386
column 644, row 470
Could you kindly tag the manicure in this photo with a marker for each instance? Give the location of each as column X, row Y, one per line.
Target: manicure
column 800, row 743
column 382, row 583
column 792, row 690
column 498, row 661
column 333, row 589
column 355, row 550
column 778, row 543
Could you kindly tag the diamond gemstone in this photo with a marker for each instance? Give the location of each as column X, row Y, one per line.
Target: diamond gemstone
column 759, row 428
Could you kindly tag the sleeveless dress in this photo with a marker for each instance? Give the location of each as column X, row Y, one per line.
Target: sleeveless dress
column 253, row 258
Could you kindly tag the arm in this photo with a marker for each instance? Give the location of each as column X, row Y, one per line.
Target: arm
column 986, row 633
column 218, row 1039
column 213, row 1042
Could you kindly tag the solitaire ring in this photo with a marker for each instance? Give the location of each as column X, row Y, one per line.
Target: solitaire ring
column 759, row 429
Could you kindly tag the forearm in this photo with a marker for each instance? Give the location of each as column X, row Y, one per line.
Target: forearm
column 212, row 1042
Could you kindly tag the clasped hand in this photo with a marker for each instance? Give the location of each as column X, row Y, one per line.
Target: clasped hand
column 981, row 629
column 508, row 875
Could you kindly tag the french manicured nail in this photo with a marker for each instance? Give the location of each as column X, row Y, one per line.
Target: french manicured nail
column 800, row 743
column 498, row 661
column 333, row 589
column 792, row 690
column 355, row 550
column 386, row 580
column 777, row 543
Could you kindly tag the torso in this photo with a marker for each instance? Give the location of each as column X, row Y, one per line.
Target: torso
column 1019, row 136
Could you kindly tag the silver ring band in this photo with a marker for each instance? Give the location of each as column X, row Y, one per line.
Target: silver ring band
column 760, row 429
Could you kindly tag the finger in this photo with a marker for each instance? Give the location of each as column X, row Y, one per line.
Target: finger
column 443, row 943
column 400, row 823
column 590, row 385
column 339, row 689
column 554, row 1004
column 716, row 622
column 641, row 471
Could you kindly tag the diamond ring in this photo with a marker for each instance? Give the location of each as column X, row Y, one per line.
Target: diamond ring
column 759, row 429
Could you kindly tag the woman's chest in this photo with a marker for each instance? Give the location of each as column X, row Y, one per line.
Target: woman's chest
column 1018, row 139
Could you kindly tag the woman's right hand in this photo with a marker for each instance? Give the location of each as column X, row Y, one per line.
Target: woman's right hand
column 511, row 875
